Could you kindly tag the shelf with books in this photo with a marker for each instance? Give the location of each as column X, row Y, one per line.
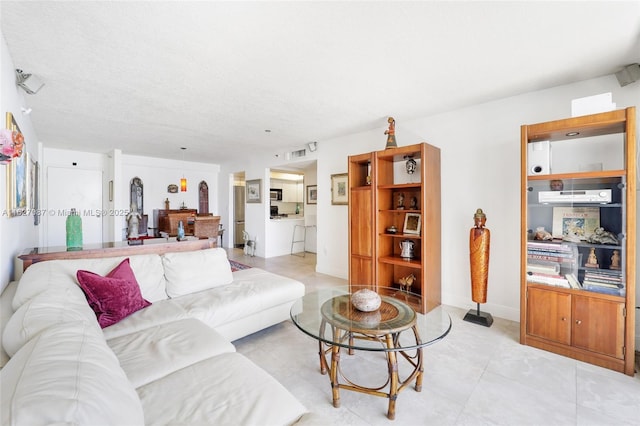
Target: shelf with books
column 578, row 241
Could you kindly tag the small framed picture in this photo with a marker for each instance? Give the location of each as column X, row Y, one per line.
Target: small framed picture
column 412, row 222
column 339, row 193
column 312, row 194
column 254, row 191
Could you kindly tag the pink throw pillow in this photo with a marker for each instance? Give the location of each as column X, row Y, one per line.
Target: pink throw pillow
column 113, row 297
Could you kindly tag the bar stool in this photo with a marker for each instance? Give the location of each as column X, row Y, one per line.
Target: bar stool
column 303, row 229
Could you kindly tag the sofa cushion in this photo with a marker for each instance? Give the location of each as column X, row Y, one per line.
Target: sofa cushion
column 45, row 310
column 227, row 389
column 155, row 352
column 190, row 272
column 150, row 276
column 113, row 297
column 252, row 290
column 5, row 314
column 160, row 312
column 67, row 375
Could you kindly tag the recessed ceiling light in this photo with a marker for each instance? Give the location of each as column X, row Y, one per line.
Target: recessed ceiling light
column 573, row 133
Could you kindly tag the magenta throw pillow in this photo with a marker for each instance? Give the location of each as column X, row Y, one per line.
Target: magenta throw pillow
column 113, row 297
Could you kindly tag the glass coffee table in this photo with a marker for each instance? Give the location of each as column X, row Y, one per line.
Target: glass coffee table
column 394, row 329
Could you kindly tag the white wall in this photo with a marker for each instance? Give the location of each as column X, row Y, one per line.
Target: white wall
column 480, row 154
column 157, row 174
column 16, row 233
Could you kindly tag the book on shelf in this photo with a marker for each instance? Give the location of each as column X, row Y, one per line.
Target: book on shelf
column 573, row 281
column 552, row 258
column 616, row 291
column 548, row 279
column 544, row 267
column 606, row 281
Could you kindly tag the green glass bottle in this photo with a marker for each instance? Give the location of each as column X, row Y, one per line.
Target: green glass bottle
column 74, row 231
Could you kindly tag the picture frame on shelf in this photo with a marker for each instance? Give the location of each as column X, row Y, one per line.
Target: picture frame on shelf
column 254, row 191
column 412, row 222
column 339, row 193
column 312, row 194
column 575, row 223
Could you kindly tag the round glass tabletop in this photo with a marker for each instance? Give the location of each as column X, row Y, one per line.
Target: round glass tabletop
column 317, row 313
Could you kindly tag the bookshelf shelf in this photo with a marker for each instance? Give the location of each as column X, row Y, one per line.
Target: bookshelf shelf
column 393, row 197
column 577, row 293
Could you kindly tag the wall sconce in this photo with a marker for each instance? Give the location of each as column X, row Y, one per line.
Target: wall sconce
column 312, row 146
column 29, row 82
column 183, row 181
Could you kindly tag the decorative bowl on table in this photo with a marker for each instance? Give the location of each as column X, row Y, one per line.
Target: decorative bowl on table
column 366, row 300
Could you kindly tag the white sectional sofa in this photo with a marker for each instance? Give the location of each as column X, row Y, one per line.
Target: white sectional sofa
column 171, row 362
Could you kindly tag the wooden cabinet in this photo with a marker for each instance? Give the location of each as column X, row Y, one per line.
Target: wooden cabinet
column 578, row 245
column 576, row 320
column 383, row 196
column 168, row 221
column 362, row 236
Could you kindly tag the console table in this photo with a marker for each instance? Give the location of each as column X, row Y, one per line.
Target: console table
column 115, row 249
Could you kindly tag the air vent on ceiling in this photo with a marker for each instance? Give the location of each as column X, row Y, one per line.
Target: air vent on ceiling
column 299, row 153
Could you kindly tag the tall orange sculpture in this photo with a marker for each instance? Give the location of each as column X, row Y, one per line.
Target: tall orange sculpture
column 479, row 242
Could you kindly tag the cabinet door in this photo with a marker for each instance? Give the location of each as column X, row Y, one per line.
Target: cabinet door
column 598, row 325
column 549, row 315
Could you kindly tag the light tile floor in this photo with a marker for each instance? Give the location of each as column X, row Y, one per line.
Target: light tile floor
column 475, row 376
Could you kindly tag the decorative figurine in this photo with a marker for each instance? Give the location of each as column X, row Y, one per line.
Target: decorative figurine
column 556, row 185
column 414, row 203
column 542, row 234
column 479, row 241
column 400, row 203
column 592, row 260
column 600, row 236
column 391, row 134
column 133, row 222
column 410, row 165
column 615, row 260
column 166, row 204
column 407, row 282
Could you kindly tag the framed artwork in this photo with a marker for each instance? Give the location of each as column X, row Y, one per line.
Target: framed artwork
column 34, row 190
column 412, row 222
column 312, row 194
column 575, row 223
column 254, row 191
column 17, row 177
column 339, row 193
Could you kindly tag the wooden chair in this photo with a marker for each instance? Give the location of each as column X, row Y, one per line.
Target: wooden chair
column 206, row 226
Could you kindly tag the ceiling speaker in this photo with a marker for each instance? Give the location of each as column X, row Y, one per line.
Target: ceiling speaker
column 628, row 74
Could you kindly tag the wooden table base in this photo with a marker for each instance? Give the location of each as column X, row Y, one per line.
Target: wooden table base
column 392, row 350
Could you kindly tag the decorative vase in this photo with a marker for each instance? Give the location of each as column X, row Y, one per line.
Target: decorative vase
column 180, row 231
column 366, row 300
column 74, row 231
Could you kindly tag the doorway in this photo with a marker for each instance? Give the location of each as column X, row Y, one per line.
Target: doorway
column 79, row 189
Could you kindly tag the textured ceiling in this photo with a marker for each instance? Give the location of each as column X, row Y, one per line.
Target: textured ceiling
column 151, row 77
